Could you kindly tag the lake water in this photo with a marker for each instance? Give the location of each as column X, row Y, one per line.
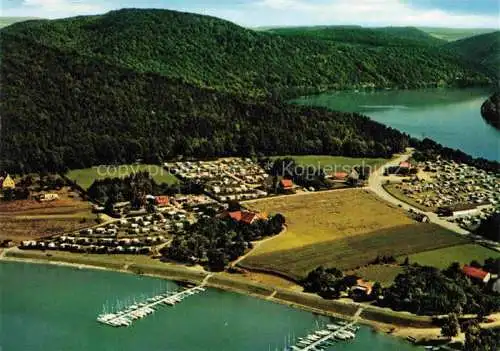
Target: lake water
column 451, row 117
column 54, row 308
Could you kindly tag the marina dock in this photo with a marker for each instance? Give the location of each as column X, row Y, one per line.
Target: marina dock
column 323, row 338
column 143, row 309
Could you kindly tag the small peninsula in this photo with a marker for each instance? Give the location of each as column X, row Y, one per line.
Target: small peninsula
column 490, row 110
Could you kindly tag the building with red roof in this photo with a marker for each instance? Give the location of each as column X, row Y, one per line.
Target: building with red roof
column 286, row 184
column 246, row 217
column 476, row 273
column 162, row 200
column 340, row 175
column 406, row 165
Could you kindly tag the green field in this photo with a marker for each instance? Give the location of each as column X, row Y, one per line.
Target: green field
column 335, row 163
column 442, row 258
column 355, row 251
column 85, row 177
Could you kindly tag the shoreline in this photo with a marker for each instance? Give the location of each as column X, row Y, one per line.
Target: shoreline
column 402, row 325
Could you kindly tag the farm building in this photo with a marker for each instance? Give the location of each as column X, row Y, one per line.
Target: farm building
column 476, row 273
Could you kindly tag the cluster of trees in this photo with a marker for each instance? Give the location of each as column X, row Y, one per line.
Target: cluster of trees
column 490, row 227
column 216, row 241
column 430, row 291
column 428, row 149
column 133, row 188
column 476, row 338
column 330, row 283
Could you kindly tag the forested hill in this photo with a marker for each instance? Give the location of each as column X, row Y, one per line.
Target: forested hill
column 483, row 49
column 385, row 36
column 210, row 52
column 62, row 109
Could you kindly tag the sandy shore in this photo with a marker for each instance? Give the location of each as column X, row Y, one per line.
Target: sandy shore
column 401, row 325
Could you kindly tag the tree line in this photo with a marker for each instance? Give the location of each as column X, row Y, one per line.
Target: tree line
column 216, row 241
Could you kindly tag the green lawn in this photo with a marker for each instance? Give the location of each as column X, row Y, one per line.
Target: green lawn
column 442, row 258
column 85, row 177
column 335, row 163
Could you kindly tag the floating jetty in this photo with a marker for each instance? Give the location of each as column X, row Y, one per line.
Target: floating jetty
column 324, row 338
column 136, row 311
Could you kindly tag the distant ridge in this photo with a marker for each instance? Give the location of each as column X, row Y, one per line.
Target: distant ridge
column 7, row 21
column 483, row 50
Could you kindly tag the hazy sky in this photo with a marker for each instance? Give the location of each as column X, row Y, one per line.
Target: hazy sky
column 451, row 13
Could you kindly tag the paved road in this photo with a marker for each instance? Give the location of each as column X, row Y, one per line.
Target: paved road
column 375, row 184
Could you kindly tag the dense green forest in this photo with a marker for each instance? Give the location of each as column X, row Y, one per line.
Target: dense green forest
column 64, row 110
column 481, row 49
column 215, row 53
column 386, row 36
column 157, row 84
column 490, row 110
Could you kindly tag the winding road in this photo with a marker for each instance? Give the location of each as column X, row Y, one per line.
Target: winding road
column 377, row 179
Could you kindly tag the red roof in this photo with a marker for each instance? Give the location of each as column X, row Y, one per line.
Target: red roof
column 473, row 272
column 405, row 165
column 286, row 183
column 341, row 175
column 244, row 216
column 162, row 200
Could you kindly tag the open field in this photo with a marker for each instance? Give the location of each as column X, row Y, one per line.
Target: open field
column 391, row 189
column 335, row 163
column 442, row 258
column 325, row 216
column 343, row 229
column 85, row 177
column 353, row 251
column 29, row 219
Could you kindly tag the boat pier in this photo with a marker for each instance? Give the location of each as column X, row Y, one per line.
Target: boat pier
column 143, row 309
column 324, row 338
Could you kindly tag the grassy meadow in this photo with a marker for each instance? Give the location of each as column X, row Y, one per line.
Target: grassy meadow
column 464, row 254
column 85, row 177
column 345, row 229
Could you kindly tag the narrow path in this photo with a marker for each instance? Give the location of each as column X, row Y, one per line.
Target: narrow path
column 256, row 244
column 205, row 280
column 273, row 294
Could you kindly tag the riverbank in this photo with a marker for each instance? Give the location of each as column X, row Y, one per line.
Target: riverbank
column 400, row 324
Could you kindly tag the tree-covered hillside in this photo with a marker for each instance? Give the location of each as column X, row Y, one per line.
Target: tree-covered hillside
column 61, row 109
column 385, row 36
column 210, row 52
column 482, row 49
